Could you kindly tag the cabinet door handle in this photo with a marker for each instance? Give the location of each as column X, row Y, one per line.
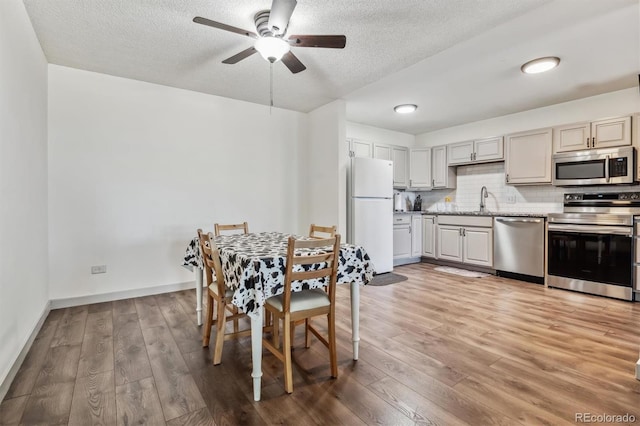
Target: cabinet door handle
column 593, row 142
column 507, row 177
column 464, row 232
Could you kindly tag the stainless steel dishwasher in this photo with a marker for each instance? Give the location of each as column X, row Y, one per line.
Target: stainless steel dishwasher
column 518, row 248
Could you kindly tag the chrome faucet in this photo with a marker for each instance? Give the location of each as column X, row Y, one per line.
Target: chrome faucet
column 483, row 195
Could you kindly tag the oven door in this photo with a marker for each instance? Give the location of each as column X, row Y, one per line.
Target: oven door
column 601, row 254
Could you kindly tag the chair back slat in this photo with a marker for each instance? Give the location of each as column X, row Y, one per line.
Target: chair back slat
column 315, row 230
column 244, row 226
column 328, row 261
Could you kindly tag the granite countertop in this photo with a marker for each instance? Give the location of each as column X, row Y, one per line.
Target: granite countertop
column 488, row 213
column 475, row 213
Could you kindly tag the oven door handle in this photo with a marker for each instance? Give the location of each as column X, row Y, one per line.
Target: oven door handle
column 592, row 229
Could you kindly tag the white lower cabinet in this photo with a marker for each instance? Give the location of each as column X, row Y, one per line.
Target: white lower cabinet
column 428, row 236
column 407, row 238
column 477, row 248
column 450, row 243
column 401, row 240
column 416, row 235
column 465, row 239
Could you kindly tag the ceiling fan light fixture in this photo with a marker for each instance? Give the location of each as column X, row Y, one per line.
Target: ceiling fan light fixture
column 540, row 65
column 405, row 108
column 272, row 48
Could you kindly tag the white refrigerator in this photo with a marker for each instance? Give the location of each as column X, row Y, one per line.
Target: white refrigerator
column 370, row 214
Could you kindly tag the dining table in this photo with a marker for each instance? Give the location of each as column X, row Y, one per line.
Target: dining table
column 253, row 267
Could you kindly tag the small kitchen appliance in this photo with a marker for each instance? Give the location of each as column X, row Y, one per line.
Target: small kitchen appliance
column 611, row 166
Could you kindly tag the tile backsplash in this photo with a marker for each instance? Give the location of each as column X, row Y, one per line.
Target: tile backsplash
column 502, row 197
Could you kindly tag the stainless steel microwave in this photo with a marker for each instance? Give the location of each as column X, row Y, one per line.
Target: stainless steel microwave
column 611, row 166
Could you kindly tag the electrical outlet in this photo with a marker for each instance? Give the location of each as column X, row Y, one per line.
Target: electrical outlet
column 511, row 199
column 99, row 269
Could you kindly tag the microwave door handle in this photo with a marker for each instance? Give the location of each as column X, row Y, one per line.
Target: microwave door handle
column 606, row 169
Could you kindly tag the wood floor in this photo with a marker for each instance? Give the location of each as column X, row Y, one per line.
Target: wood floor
column 436, row 349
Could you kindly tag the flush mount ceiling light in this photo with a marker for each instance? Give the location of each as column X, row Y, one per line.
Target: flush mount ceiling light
column 272, row 48
column 405, row 108
column 540, row 65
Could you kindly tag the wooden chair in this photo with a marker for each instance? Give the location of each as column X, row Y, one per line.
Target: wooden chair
column 217, row 228
column 220, row 295
column 315, row 230
column 290, row 307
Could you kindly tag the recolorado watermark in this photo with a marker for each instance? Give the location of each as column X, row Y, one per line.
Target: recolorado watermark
column 604, row 418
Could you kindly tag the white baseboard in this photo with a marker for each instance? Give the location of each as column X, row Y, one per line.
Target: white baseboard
column 11, row 374
column 119, row 295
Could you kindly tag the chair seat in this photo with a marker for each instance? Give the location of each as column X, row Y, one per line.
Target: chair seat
column 227, row 294
column 302, row 300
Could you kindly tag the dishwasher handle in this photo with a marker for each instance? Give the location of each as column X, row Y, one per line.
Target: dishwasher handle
column 509, row 219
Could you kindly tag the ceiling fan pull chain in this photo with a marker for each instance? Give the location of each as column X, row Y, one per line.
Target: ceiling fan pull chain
column 270, row 87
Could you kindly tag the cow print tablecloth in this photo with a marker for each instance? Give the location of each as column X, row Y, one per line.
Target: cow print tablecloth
column 254, row 264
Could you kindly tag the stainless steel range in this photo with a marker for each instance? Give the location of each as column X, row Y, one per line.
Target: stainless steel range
column 591, row 245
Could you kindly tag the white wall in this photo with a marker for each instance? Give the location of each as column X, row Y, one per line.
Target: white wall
column 377, row 134
column 135, row 168
column 326, row 168
column 23, row 183
column 607, row 105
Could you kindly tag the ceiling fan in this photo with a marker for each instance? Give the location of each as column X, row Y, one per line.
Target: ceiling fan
column 271, row 26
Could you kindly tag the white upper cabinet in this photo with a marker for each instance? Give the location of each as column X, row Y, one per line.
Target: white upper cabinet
column 442, row 176
column 606, row 133
column 572, row 137
column 382, row 152
column 528, row 157
column 420, row 168
column 399, row 156
column 611, row 132
column 360, row 148
column 489, row 149
column 476, row 151
column 460, row 153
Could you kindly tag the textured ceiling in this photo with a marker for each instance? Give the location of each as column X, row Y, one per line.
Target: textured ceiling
column 458, row 59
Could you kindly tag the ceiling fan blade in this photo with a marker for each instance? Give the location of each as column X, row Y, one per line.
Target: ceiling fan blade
column 280, row 14
column 328, row 41
column 240, row 56
column 293, row 63
column 219, row 25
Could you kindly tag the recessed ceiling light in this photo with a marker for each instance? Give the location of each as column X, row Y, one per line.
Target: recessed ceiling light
column 540, row 65
column 405, row 109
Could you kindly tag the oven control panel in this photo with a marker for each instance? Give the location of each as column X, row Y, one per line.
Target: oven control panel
column 610, row 197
